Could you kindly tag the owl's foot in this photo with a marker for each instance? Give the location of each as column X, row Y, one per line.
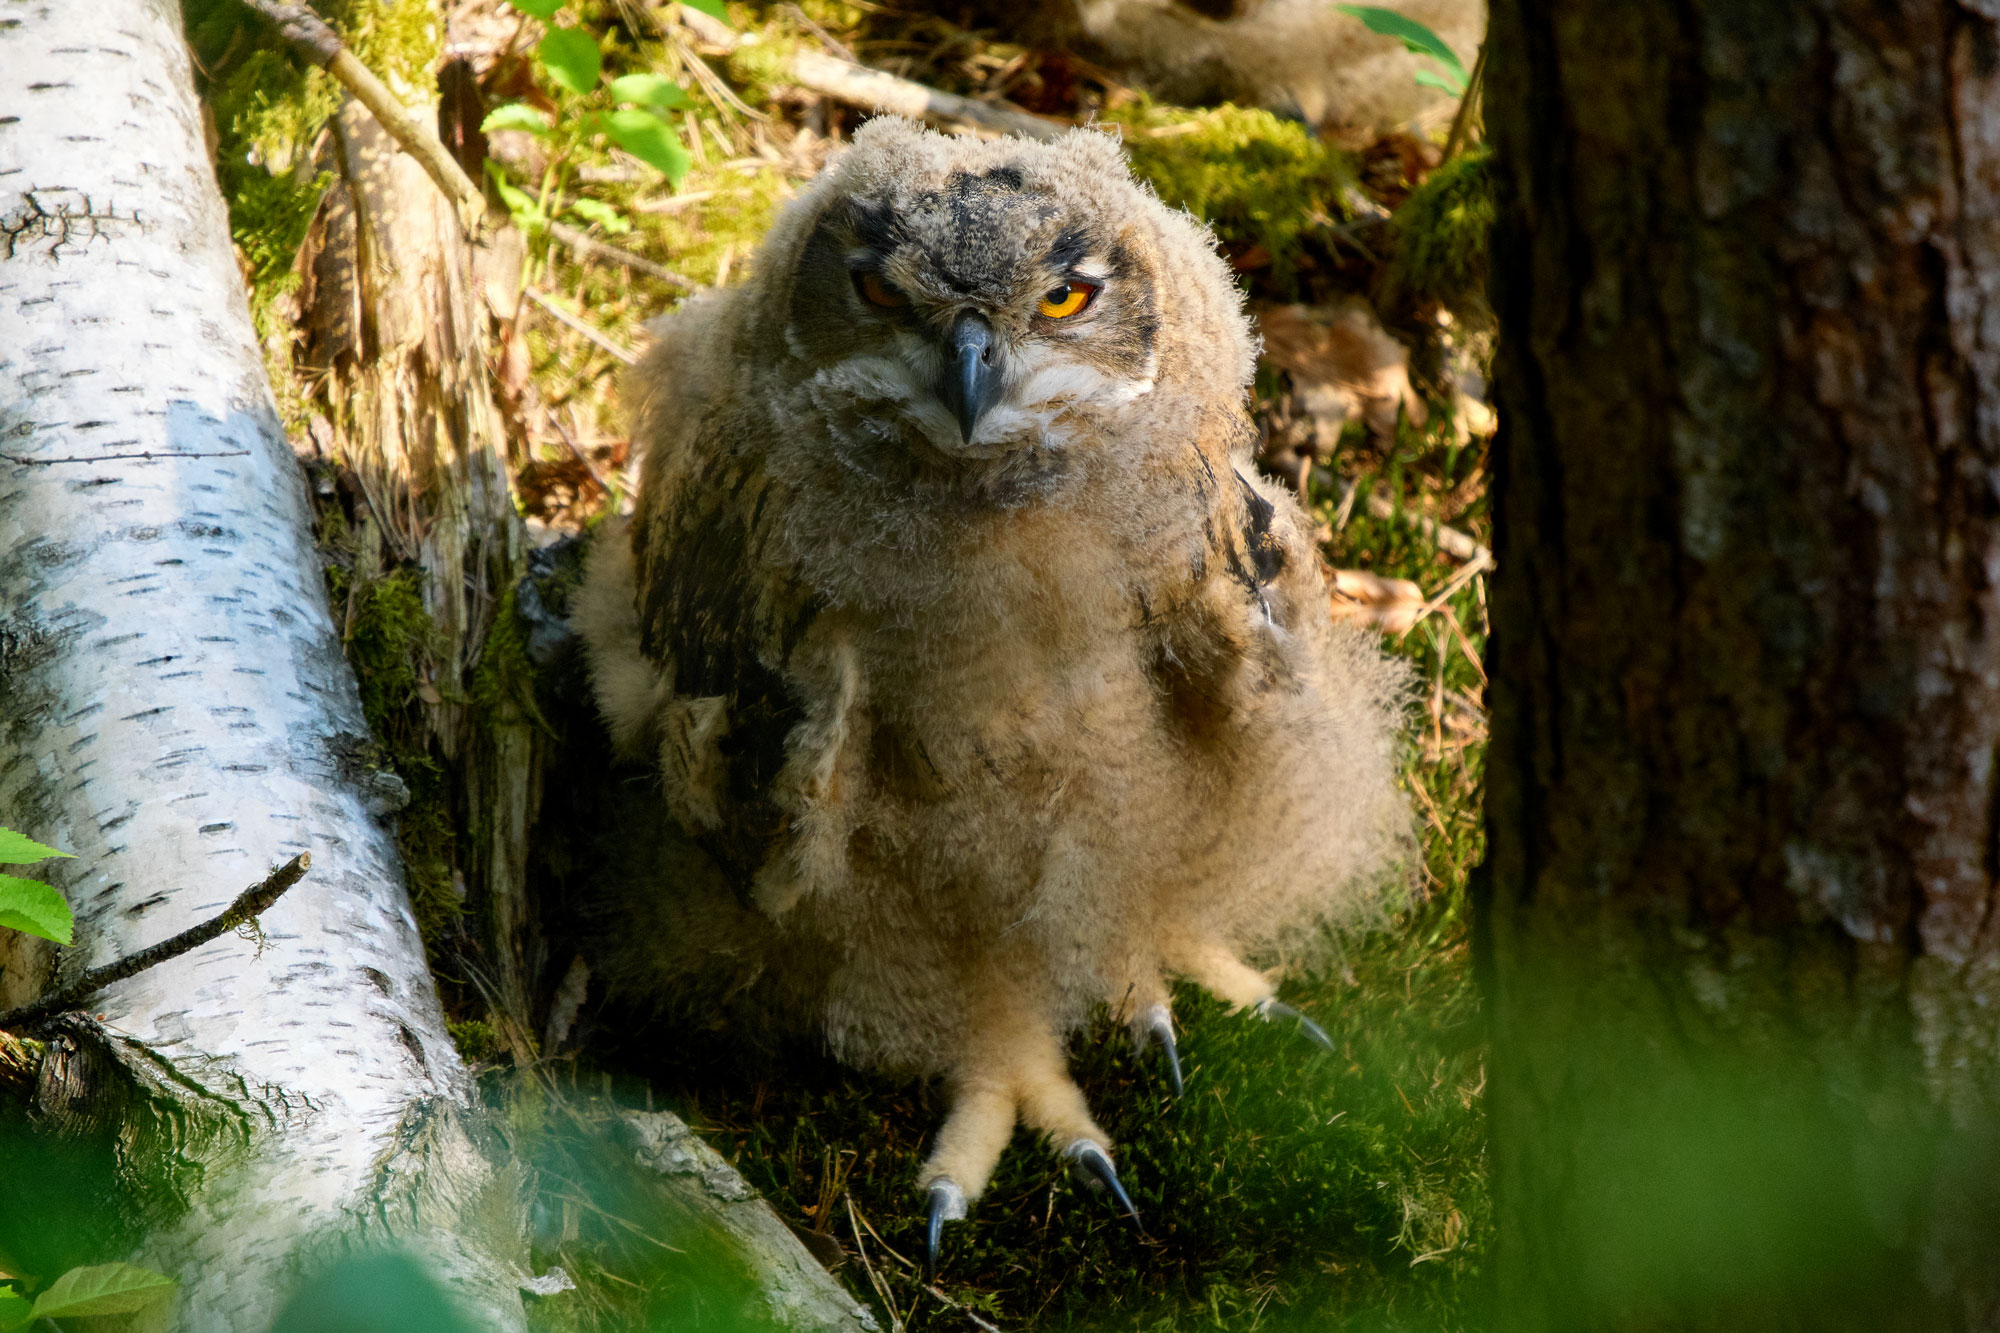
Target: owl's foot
column 1090, row 1162
column 1015, row 1073
column 1156, row 1024
column 1219, row 971
column 947, row 1204
column 1273, row 1010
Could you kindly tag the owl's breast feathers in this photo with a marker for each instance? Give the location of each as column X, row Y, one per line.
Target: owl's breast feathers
column 1194, row 599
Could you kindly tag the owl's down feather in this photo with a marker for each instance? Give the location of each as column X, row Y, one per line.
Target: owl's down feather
column 992, row 679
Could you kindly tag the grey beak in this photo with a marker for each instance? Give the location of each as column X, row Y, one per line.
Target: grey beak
column 970, row 379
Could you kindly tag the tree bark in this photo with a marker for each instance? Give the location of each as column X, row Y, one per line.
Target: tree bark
column 177, row 712
column 395, row 359
column 1739, row 939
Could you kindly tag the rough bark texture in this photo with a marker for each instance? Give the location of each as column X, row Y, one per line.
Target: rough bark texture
column 174, row 707
column 395, row 354
column 1745, row 818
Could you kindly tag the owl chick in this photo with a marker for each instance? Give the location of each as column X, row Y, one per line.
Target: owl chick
column 969, row 645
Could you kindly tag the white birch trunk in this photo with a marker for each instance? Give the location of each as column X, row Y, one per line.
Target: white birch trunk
column 173, row 700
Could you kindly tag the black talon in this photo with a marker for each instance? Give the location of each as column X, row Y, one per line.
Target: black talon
column 1276, row 1009
column 1162, row 1030
column 1095, row 1161
column 947, row 1205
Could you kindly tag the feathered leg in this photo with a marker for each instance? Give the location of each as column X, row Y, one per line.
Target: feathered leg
column 1215, row 967
column 1012, row 1069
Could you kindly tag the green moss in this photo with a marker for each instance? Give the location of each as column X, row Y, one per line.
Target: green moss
column 476, row 1040
column 390, row 640
column 503, row 679
column 1257, row 179
column 269, row 107
column 1441, row 238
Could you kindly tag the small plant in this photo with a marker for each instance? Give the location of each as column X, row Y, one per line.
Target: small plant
column 1418, row 40
column 29, row 905
column 571, row 60
column 98, row 1290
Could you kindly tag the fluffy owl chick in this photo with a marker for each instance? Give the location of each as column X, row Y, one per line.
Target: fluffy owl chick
column 967, row 641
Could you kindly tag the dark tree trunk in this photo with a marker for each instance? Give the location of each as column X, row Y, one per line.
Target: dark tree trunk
column 1739, row 936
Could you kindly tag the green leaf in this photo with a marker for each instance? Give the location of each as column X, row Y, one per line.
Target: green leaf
column 648, row 138
column 650, row 89
column 17, row 849
column 603, row 214
column 15, row 1311
column 526, row 212
column 1413, row 35
column 572, row 59
column 102, row 1289
column 32, row 906
column 515, row 116
column 715, row 9
column 540, row 9
column 1430, row 78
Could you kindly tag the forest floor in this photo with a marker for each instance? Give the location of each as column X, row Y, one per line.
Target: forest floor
column 1288, row 1187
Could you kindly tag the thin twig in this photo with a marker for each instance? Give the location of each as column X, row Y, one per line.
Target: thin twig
column 1479, row 564
column 148, row 456
column 854, row 1215
column 1461, row 123
column 320, row 44
column 833, row 46
column 1450, row 540
column 563, row 317
column 590, row 245
column 249, row 905
column 1465, row 646
column 874, row 1280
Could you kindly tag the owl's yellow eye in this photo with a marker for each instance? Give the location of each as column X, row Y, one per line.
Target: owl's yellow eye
column 1066, row 300
column 878, row 292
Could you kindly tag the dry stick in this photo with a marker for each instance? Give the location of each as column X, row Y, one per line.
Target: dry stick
column 845, row 81
column 1449, row 540
column 611, row 345
column 854, row 1215
column 1471, row 570
column 320, row 44
column 148, row 456
column 862, row 86
column 881, row 1287
column 249, row 905
column 1461, row 124
column 590, row 245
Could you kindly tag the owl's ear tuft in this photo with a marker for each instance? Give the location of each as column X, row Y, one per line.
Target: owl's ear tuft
column 1095, row 149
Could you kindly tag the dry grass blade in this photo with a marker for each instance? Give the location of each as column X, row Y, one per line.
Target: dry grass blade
column 572, row 322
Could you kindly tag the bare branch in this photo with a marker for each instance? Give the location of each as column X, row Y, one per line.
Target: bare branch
column 307, row 32
column 249, row 905
column 567, row 320
column 590, row 245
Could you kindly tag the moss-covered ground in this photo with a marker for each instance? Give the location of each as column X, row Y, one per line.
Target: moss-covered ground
column 1288, row 1188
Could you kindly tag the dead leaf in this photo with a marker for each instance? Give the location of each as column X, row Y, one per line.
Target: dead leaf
column 1343, row 364
column 1389, row 605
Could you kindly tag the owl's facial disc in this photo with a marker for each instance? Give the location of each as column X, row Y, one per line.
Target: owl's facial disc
column 977, row 318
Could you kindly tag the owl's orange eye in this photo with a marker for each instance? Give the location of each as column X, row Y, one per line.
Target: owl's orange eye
column 1066, row 300
column 878, row 292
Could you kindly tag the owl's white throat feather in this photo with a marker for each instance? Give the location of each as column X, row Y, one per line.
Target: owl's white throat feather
column 1042, row 391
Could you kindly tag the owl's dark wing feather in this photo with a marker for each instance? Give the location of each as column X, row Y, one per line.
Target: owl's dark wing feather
column 714, row 612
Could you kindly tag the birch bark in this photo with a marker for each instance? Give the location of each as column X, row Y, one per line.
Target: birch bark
column 176, row 710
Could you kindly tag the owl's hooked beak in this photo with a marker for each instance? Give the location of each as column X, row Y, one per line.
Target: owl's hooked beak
column 970, row 380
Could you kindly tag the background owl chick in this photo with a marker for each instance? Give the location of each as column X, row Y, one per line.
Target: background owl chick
column 991, row 677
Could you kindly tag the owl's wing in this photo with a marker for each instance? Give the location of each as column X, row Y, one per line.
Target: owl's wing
column 719, row 618
column 1232, row 631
